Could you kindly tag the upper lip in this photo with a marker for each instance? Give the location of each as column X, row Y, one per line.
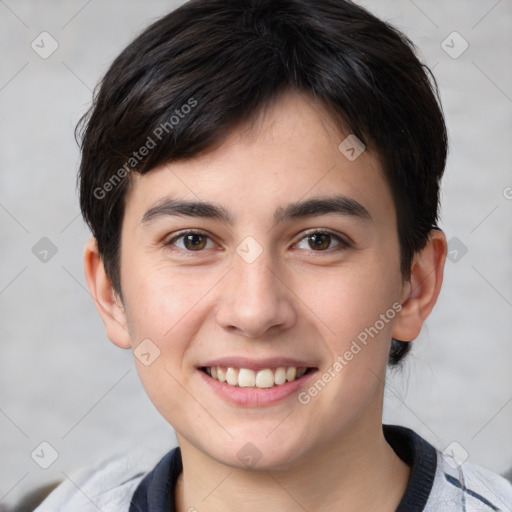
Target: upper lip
column 255, row 364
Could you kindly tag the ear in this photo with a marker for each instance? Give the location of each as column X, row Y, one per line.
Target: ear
column 106, row 300
column 420, row 292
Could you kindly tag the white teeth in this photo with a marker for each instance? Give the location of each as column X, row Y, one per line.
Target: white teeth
column 280, row 376
column 247, row 378
column 232, row 376
column 265, row 378
column 291, row 373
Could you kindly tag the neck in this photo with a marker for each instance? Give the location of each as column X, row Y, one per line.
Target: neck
column 360, row 472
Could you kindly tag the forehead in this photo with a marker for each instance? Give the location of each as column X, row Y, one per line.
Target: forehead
column 292, row 150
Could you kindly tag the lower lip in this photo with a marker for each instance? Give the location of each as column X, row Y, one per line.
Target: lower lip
column 254, row 397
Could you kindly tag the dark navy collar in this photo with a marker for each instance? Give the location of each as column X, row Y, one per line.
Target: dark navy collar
column 155, row 492
column 421, row 457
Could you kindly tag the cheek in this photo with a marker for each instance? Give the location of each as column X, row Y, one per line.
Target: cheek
column 168, row 307
column 349, row 302
column 159, row 299
column 166, row 310
column 357, row 314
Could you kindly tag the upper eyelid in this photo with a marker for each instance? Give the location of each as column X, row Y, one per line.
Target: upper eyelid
column 190, row 231
column 327, row 231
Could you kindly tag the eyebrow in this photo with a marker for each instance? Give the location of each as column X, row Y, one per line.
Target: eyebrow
column 340, row 205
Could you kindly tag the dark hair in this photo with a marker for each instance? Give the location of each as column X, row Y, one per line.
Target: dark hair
column 210, row 65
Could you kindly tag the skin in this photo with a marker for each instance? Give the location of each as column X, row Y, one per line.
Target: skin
column 294, row 300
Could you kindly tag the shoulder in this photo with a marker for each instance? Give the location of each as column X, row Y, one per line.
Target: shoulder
column 468, row 486
column 441, row 483
column 107, row 486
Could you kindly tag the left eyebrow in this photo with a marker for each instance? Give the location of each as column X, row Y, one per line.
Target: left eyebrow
column 341, row 205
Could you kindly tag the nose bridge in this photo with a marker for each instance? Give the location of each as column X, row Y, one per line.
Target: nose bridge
column 256, row 300
column 252, row 265
column 256, row 277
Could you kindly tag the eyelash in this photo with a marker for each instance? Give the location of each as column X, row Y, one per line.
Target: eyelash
column 343, row 244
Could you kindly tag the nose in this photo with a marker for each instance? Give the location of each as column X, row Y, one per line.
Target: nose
column 255, row 300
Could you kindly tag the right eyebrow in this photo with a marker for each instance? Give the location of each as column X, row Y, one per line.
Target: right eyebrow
column 175, row 207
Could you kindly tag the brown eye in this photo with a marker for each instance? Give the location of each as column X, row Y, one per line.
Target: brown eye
column 323, row 241
column 319, row 241
column 194, row 242
column 191, row 242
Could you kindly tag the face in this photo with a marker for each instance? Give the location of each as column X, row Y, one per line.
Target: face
column 270, row 255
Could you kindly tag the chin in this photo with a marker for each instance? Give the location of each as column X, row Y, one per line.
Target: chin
column 258, row 454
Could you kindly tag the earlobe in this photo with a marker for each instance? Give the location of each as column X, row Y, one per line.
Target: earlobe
column 106, row 299
column 420, row 293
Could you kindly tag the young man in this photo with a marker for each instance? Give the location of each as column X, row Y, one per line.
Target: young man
column 261, row 180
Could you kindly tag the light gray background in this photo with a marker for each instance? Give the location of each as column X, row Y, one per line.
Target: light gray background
column 63, row 382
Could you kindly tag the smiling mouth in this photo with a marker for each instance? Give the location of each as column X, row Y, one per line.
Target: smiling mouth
column 263, row 378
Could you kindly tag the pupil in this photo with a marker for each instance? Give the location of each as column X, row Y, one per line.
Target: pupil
column 196, row 241
column 320, row 241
